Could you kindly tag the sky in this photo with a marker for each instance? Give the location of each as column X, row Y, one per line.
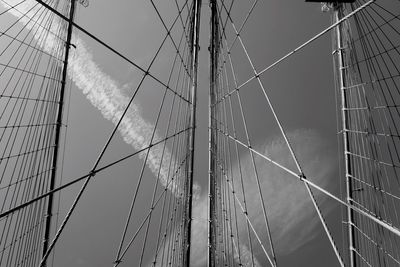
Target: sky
column 302, row 91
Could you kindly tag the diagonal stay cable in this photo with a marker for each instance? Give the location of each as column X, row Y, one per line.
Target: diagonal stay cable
column 322, row 190
column 289, row 145
column 236, row 150
column 165, row 143
column 94, row 172
column 262, row 201
column 175, row 146
column 257, row 74
column 153, row 134
column 169, row 30
column 245, row 213
column 122, row 254
column 138, row 87
column 112, row 50
column 243, row 23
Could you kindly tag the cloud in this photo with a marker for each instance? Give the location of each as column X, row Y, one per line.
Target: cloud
column 199, row 232
column 290, row 211
column 291, row 215
column 101, row 90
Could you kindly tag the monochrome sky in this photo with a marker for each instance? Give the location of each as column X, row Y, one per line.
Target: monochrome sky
column 302, row 91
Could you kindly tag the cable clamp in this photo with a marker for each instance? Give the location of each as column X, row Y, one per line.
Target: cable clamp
column 84, row 3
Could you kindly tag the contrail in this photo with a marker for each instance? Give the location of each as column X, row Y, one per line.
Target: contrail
column 100, row 89
column 290, row 211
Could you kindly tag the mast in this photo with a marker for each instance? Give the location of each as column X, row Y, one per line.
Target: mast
column 338, row 14
column 48, row 216
column 212, row 133
column 195, row 29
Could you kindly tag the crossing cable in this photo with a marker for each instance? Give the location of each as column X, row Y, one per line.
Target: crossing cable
column 377, row 245
column 212, row 156
column 94, row 172
column 179, row 217
column 378, row 140
column 42, row 159
column 163, row 149
column 229, row 18
column 142, row 172
column 175, row 209
column 223, row 143
column 398, row 53
column 62, row 160
column 133, row 202
column 176, row 214
column 146, row 218
column 183, row 24
column 257, row 74
column 179, row 149
column 228, row 159
column 287, row 143
column 234, row 250
column 262, row 201
column 241, row 179
column 386, row 85
column 144, row 71
column 361, row 198
column 315, row 186
column 247, row 217
column 58, row 129
column 35, row 57
column 117, row 261
column 222, row 32
column 18, row 111
column 376, row 66
column 169, row 165
column 169, row 31
column 62, row 226
column 47, row 30
column 233, row 124
column 171, row 220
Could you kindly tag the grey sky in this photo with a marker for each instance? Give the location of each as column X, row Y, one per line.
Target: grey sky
column 301, row 88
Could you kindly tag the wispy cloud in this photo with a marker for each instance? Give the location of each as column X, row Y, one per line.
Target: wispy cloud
column 292, row 217
column 290, row 211
column 100, row 89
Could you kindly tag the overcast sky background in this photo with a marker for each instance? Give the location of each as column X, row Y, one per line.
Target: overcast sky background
column 302, row 91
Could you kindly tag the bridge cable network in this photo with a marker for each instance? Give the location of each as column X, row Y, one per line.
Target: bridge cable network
column 42, row 55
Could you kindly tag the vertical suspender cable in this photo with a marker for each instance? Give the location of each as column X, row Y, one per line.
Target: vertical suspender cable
column 211, row 134
column 58, row 130
column 194, row 61
column 338, row 13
